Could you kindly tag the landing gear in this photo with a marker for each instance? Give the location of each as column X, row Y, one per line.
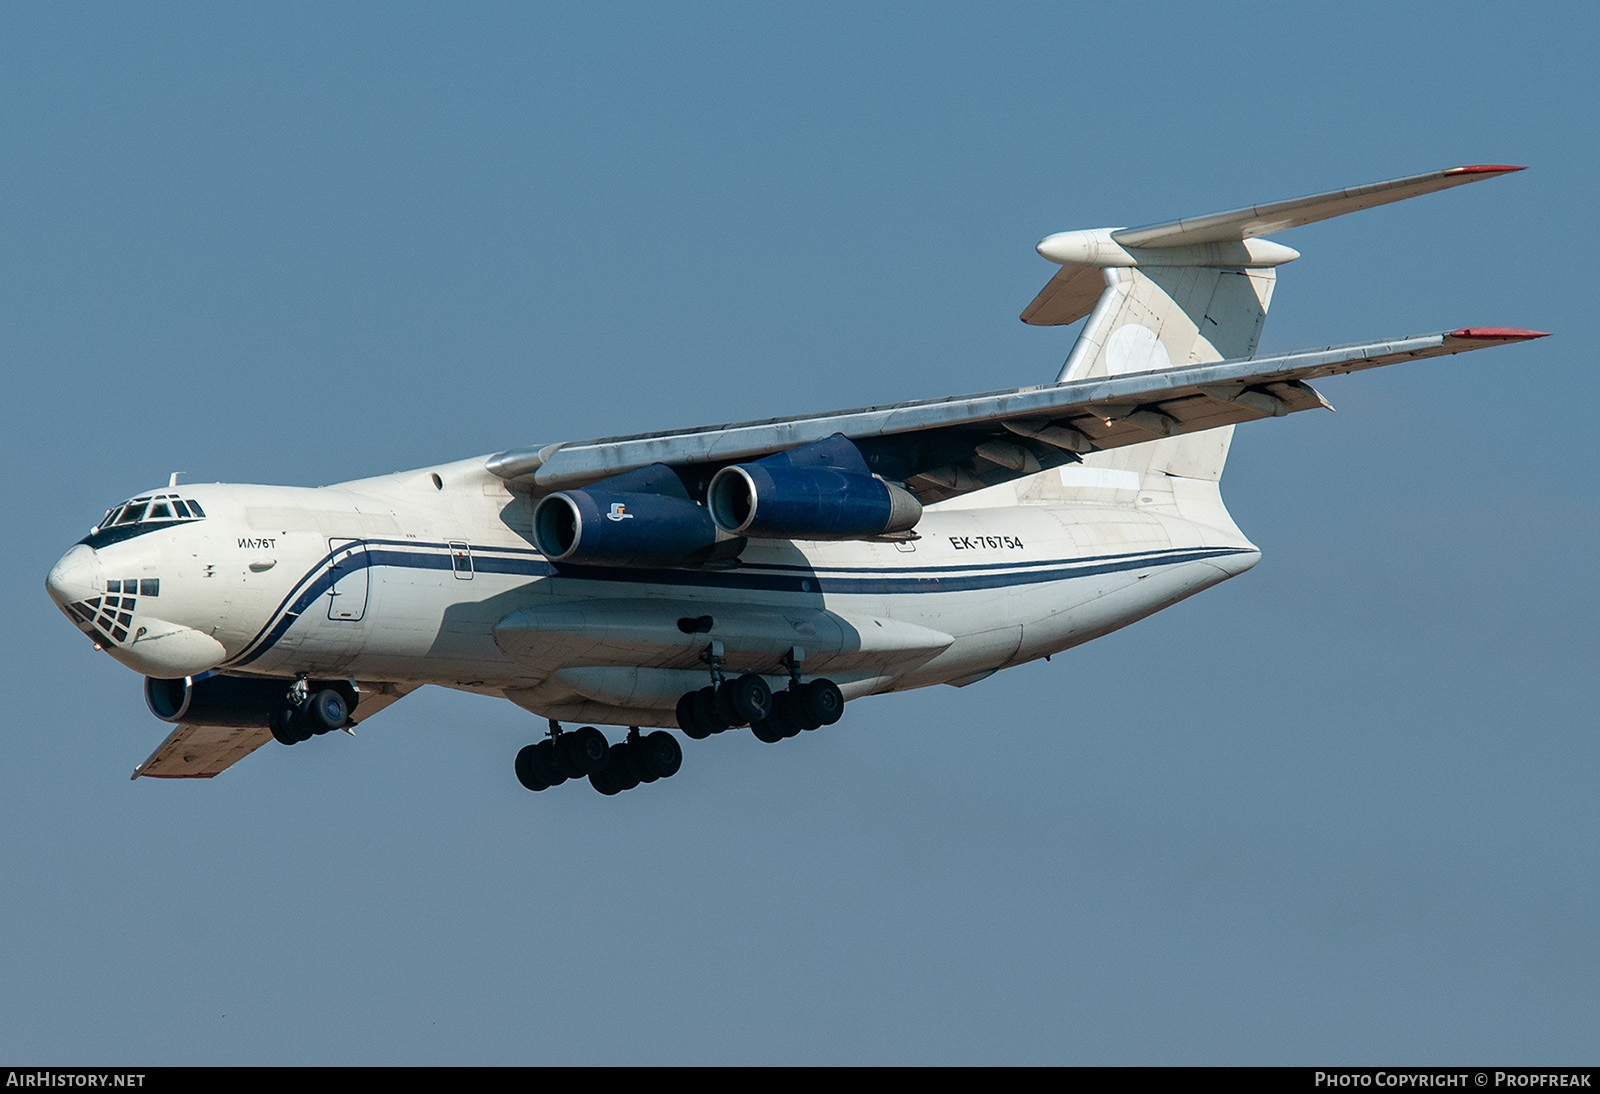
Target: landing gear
column 307, row 714
column 749, row 700
column 610, row 768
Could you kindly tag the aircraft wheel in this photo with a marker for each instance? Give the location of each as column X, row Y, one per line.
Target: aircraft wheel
column 623, row 770
column 722, row 699
column 528, row 769
column 750, row 698
column 585, row 750
column 798, row 714
column 689, row 720
column 326, row 711
column 766, row 731
column 705, row 707
column 822, row 702
column 604, row 781
column 660, row 754
column 283, row 727
column 783, row 715
column 541, row 763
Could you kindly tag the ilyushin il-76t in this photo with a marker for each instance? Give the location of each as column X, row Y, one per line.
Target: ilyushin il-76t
column 765, row 574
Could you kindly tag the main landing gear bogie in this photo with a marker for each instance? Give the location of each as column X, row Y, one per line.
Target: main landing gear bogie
column 771, row 715
column 610, row 768
column 746, row 700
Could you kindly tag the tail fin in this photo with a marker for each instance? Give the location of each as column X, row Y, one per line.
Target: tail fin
column 1190, row 291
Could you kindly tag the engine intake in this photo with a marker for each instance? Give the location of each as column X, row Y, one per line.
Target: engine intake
column 822, row 490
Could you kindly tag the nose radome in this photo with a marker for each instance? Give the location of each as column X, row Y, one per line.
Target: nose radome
column 77, row 576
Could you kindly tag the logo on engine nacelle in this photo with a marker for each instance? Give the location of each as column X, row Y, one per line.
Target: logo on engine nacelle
column 618, row 512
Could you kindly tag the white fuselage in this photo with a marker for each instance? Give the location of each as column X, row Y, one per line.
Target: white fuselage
column 432, row 577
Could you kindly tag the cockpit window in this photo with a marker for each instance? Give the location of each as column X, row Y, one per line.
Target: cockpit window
column 162, row 507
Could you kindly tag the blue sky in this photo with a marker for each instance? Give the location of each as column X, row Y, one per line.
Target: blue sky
column 1340, row 810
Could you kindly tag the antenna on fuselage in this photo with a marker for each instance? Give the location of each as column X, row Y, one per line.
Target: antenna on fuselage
column 172, row 479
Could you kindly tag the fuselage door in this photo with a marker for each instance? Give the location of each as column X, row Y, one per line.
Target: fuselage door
column 461, row 560
column 347, row 587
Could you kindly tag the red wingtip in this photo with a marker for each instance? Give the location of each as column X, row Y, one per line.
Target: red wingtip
column 1516, row 334
column 1485, row 169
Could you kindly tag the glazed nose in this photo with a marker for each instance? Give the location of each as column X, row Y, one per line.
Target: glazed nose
column 77, row 576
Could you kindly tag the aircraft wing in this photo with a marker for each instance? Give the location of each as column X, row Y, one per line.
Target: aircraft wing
column 942, row 448
column 201, row 752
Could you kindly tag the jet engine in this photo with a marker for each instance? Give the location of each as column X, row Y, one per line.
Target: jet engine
column 233, row 701
column 821, row 490
column 643, row 518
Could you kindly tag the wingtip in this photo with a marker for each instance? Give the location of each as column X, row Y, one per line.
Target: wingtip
column 1485, row 169
column 1503, row 334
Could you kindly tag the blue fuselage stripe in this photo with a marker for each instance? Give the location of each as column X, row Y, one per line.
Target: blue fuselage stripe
column 776, row 578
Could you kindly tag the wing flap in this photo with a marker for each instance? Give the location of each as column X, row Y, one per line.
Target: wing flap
column 945, row 447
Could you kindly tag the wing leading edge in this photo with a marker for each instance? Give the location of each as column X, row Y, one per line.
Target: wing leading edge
column 942, row 448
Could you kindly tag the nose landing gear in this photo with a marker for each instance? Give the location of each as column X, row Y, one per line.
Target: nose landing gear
column 308, row 713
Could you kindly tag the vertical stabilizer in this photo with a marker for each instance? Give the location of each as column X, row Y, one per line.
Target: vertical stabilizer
column 1161, row 316
column 1184, row 292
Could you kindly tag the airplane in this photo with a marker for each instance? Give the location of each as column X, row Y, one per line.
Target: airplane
column 762, row 574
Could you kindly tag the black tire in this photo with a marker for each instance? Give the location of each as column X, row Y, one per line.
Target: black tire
column 822, row 702
column 327, row 710
column 766, row 731
column 689, row 720
column 798, row 714
column 542, row 762
column 705, row 708
column 751, row 698
column 660, row 754
column 722, row 700
column 283, row 727
column 528, row 770
column 562, row 764
column 782, row 718
column 585, row 749
column 623, row 770
column 604, row 781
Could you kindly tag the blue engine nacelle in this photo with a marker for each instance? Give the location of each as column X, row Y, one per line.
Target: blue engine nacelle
column 643, row 518
column 233, row 701
column 822, row 490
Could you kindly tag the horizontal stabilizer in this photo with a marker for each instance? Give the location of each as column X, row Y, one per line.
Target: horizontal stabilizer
column 1260, row 220
column 1216, row 240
